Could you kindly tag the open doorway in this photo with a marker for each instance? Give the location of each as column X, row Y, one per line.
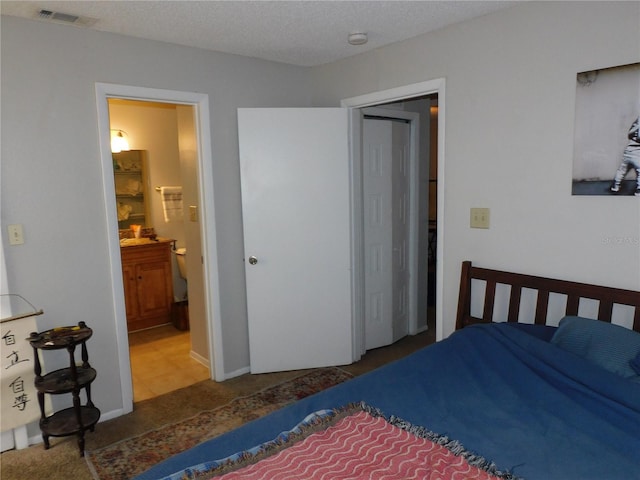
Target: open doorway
column 193, row 115
column 163, row 297
column 431, row 248
column 426, row 106
column 287, row 131
column 416, row 199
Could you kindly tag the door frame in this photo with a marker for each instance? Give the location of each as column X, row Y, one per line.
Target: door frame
column 429, row 87
column 200, row 102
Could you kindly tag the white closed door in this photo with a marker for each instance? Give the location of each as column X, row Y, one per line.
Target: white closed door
column 386, row 146
column 295, row 175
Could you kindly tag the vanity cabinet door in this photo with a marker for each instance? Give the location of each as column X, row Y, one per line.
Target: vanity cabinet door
column 129, row 278
column 148, row 285
column 154, row 289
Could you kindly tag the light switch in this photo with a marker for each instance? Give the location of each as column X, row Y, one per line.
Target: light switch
column 16, row 237
column 479, row 218
column 193, row 213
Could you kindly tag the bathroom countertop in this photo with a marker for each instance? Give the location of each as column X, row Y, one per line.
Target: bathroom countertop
column 136, row 242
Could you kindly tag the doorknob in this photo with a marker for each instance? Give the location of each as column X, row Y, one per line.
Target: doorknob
column 253, row 260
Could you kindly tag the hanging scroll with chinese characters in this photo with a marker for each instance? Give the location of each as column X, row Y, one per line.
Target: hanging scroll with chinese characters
column 19, row 397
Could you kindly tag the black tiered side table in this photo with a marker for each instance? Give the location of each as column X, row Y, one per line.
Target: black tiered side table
column 78, row 418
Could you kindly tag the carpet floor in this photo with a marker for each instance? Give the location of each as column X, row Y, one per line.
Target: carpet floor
column 135, row 455
column 62, row 460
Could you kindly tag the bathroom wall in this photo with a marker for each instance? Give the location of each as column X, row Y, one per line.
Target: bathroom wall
column 153, row 127
column 187, row 142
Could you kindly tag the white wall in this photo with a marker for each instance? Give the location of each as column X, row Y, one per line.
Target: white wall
column 510, row 95
column 52, row 180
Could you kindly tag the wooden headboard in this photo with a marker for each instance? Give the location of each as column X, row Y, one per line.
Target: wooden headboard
column 574, row 291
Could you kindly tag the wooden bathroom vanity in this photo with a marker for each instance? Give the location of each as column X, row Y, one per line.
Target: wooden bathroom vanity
column 148, row 285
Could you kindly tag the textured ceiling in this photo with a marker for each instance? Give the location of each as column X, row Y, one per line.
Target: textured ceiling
column 304, row 32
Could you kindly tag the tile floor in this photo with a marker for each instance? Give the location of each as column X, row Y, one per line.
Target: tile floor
column 161, row 362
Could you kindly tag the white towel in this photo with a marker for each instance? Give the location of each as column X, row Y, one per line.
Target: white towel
column 172, row 203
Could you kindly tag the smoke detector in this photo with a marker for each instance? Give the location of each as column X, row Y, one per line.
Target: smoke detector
column 358, row 38
column 68, row 18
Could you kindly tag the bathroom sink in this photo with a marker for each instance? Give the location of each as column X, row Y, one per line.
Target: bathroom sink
column 130, row 242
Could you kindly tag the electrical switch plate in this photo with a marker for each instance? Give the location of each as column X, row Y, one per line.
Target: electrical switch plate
column 193, row 213
column 479, row 218
column 16, row 237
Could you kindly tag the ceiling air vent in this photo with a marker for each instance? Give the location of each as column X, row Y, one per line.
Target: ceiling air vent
column 60, row 17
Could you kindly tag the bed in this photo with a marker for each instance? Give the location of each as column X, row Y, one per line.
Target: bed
column 541, row 380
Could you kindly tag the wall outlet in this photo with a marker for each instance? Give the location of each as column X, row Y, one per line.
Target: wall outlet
column 479, row 218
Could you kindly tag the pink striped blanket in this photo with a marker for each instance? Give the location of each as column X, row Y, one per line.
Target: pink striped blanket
column 355, row 443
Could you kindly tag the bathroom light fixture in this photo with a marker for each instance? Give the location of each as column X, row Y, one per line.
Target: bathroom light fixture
column 358, row 38
column 119, row 142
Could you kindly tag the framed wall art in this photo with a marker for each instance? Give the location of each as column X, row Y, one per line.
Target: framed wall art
column 606, row 158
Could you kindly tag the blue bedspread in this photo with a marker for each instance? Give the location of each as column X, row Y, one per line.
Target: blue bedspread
column 502, row 390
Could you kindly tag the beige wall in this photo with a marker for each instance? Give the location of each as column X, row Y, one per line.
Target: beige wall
column 509, row 130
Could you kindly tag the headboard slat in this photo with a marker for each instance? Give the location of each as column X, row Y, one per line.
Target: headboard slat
column 607, row 297
column 605, row 311
column 573, row 303
column 541, row 307
column 489, row 301
column 514, row 303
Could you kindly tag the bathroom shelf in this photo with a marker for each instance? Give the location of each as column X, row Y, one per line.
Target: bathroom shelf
column 130, row 181
column 136, row 216
column 77, row 419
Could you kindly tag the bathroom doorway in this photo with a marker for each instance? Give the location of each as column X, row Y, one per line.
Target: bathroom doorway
column 175, row 355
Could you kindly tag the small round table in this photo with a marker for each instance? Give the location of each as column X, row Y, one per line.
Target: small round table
column 78, row 418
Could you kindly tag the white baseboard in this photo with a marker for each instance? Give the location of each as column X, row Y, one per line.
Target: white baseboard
column 199, row 358
column 205, row 361
column 424, row 328
column 35, row 440
column 236, row 373
column 111, row 415
column 18, row 439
